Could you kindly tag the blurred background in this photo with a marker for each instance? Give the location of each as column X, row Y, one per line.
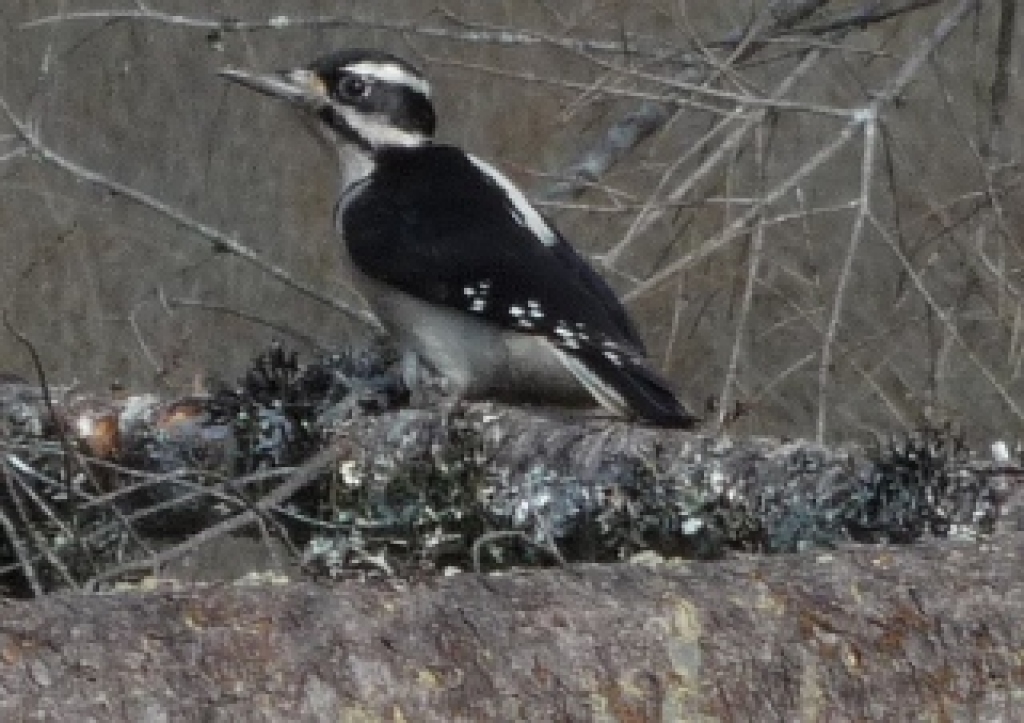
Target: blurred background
column 813, row 209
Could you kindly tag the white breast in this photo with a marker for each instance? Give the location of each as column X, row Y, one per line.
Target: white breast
column 480, row 360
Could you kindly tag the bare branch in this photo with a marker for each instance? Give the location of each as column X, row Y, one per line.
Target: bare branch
column 1000, row 92
column 617, row 142
column 471, row 33
column 638, row 125
column 673, row 331
column 745, row 123
column 856, row 234
column 17, row 152
column 869, row 15
column 298, row 479
column 753, row 269
column 40, row 541
column 218, row 240
column 810, row 317
column 730, row 98
column 672, row 99
column 147, row 352
column 277, row 327
column 923, row 51
column 739, row 227
column 47, row 398
column 945, row 318
column 21, row 552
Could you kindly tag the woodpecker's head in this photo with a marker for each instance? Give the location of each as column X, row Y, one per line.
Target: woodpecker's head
column 364, row 97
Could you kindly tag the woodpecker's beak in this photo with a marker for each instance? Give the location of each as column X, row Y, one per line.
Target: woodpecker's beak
column 300, row 87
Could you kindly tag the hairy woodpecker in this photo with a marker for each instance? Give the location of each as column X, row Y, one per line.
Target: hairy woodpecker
column 454, row 260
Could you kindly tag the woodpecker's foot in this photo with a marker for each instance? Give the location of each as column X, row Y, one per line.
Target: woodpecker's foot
column 426, row 389
column 451, row 406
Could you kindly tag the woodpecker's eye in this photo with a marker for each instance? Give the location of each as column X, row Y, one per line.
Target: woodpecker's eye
column 352, row 86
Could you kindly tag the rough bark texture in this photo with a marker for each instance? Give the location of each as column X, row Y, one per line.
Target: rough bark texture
column 410, row 488
column 926, row 632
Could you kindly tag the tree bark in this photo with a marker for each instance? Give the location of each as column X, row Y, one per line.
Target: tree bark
column 918, row 632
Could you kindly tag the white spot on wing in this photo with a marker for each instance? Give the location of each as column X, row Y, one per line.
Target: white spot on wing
column 614, row 357
column 390, row 73
column 524, row 213
column 516, row 310
column 478, row 305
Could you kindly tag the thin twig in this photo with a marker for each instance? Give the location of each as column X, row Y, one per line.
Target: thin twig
column 673, row 332
column 39, row 502
column 40, row 542
column 532, row 78
column 18, row 152
column 491, row 537
column 471, row 34
column 148, row 353
column 1000, row 92
column 58, row 424
column 24, row 559
column 218, row 240
column 276, row 327
column 740, row 227
column 732, row 100
column 630, row 131
column 943, row 316
column 856, row 234
column 753, row 269
column 871, row 112
column 744, row 123
column 811, row 317
column 618, row 140
column 862, row 19
column 299, row 479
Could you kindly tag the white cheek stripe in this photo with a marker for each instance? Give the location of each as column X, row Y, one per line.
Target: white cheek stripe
column 525, row 213
column 390, row 73
column 376, row 130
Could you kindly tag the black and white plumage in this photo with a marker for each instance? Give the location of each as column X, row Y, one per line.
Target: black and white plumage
column 454, row 260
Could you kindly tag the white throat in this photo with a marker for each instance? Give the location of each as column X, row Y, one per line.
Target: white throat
column 354, row 165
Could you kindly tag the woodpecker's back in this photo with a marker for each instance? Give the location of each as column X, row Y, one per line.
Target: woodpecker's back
column 455, row 261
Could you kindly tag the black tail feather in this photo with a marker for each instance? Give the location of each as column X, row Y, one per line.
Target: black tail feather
column 624, row 383
column 648, row 395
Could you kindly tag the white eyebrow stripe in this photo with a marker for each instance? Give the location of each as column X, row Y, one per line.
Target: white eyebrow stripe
column 522, row 209
column 390, row 73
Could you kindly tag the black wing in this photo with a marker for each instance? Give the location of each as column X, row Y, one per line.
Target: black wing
column 446, row 229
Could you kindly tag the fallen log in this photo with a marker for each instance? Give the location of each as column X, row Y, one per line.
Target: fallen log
column 479, row 486
column 918, row 632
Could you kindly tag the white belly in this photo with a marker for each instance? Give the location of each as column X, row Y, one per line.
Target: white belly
column 479, row 360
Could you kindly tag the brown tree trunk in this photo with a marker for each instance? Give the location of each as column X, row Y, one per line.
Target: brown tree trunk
column 919, row 632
